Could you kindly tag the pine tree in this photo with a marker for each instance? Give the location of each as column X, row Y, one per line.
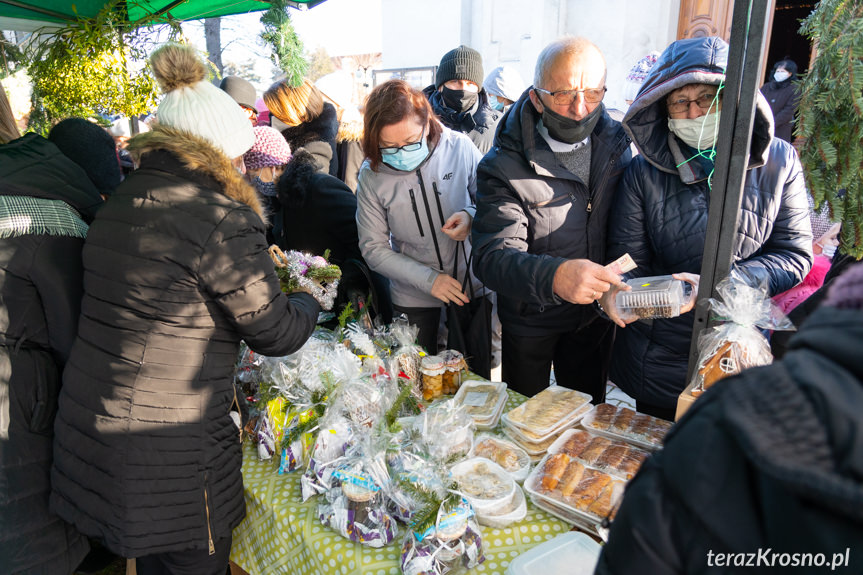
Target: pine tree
column 830, row 116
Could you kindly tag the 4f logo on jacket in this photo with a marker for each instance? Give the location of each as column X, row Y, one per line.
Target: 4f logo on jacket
column 447, row 176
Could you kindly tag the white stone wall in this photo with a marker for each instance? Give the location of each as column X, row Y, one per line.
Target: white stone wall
column 513, row 32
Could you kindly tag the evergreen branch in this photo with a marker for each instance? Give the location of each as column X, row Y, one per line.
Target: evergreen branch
column 430, row 503
column 405, row 401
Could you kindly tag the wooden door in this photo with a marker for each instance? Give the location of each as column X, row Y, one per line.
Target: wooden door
column 699, row 18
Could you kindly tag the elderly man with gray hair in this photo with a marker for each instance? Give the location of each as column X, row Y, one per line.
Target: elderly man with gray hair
column 543, row 198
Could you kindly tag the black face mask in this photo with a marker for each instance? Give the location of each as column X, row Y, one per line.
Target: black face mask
column 567, row 130
column 458, row 100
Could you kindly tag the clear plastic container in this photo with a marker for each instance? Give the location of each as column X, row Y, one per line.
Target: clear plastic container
column 580, row 489
column 483, row 400
column 569, row 517
column 572, row 553
column 625, row 424
column 532, row 438
column 544, row 413
column 610, row 455
column 513, row 459
column 491, row 423
column 503, row 517
column 484, row 483
column 652, row 297
column 536, row 449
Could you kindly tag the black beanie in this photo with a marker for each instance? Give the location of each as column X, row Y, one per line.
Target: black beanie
column 241, row 90
column 91, row 147
column 462, row 63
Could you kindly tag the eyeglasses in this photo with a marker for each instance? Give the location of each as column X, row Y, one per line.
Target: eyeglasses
column 567, row 97
column 705, row 101
column 412, row 147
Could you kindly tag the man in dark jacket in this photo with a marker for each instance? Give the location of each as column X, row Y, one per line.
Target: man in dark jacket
column 459, row 100
column 543, row 197
column 147, row 455
column 660, row 211
column 765, row 470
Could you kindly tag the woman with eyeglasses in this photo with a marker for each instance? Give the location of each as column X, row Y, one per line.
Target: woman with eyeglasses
column 415, row 203
column 659, row 215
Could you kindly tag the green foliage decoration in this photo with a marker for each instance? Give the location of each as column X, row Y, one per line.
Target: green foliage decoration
column 287, row 48
column 85, row 69
column 830, row 116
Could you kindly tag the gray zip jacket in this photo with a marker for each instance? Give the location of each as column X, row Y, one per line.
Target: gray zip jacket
column 399, row 218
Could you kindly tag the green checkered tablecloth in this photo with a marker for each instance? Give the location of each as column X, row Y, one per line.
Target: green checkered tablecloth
column 282, row 536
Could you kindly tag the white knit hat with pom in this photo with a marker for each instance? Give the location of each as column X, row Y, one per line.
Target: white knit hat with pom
column 196, row 106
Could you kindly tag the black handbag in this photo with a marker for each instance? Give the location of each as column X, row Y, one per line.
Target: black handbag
column 469, row 325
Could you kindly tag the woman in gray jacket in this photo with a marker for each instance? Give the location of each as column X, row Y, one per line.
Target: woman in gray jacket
column 415, row 203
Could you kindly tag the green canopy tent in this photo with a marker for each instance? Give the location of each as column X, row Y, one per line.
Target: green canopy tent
column 63, row 11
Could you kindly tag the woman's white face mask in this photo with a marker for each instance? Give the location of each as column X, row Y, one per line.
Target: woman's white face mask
column 699, row 133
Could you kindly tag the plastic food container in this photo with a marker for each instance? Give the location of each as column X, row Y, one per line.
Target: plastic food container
column 512, row 458
column 531, row 438
column 614, row 456
column 569, row 517
column 484, row 483
column 623, row 423
column 543, row 413
column 483, row 400
column 489, row 424
column 536, row 450
column 652, row 297
column 580, row 489
column 572, row 553
column 515, row 511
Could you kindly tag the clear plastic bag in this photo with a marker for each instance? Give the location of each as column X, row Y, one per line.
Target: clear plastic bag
column 406, row 352
column 736, row 343
column 356, row 506
column 455, row 541
column 447, row 430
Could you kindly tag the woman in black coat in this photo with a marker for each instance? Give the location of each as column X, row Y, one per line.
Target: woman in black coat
column 659, row 215
column 147, row 455
column 318, row 212
column 783, row 95
column 46, row 202
column 306, row 121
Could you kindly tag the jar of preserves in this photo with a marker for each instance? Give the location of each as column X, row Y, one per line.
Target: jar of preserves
column 432, row 368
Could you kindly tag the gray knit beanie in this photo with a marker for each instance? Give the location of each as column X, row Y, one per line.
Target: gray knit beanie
column 462, row 63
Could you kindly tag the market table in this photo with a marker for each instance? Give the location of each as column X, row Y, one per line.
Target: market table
column 283, row 536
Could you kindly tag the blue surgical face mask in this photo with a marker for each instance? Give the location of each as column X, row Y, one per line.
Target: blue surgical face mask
column 494, row 102
column 407, row 161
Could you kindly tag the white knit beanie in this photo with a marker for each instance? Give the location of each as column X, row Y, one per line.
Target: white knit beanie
column 194, row 105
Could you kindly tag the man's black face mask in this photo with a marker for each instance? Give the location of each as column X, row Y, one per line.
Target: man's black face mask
column 458, row 100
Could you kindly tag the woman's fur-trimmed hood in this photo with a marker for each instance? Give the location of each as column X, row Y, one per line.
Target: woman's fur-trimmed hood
column 198, row 155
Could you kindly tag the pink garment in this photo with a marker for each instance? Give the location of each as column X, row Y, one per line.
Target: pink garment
column 814, row 279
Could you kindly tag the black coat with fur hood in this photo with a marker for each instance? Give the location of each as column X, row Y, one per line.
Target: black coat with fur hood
column 319, row 137
column 176, row 273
